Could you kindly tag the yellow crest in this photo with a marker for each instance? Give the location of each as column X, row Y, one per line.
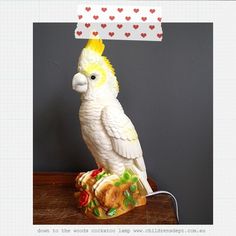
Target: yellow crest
column 96, row 45
column 109, row 65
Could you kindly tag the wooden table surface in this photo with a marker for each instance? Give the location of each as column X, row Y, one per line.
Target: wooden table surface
column 54, row 203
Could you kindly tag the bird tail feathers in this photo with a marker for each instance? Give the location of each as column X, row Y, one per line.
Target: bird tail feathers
column 142, row 180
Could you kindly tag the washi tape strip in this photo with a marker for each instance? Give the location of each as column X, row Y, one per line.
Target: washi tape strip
column 116, row 22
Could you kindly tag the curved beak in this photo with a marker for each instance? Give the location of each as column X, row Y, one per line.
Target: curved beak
column 80, row 83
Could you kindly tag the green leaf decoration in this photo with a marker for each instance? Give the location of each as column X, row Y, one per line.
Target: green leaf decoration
column 111, row 212
column 123, row 180
column 117, row 184
column 126, row 202
column 133, row 188
column 127, row 194
column 134, row 179
column 130, row 198
column 90, row 204
column 95, row 202
column 104, row 175
column 126, row 175
column 133, row 202
column 84, row 186
column 98, row 177
column 96, row 211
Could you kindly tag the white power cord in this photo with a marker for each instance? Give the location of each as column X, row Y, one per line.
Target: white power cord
column 173, row 197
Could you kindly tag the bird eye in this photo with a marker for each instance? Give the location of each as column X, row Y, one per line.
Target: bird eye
column 93, row 77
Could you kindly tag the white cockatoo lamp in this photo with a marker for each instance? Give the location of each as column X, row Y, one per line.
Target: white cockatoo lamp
column 120, row 182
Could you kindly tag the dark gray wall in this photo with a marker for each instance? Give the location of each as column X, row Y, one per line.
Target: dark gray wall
column 166, row 90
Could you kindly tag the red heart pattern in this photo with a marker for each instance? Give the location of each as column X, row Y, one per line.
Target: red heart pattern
column 105, row 15
column 111, row 34
column 144, row 18
column 78, row 33
column 152, row 10
column 143, row 35
column 151, row 27
column 119, row 26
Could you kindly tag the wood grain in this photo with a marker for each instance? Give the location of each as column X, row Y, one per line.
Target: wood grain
column 54, row 203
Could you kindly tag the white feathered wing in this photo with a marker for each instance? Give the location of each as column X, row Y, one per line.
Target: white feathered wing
column 125, row 140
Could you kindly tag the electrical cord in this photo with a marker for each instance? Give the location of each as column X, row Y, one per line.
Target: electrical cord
column 173, row 197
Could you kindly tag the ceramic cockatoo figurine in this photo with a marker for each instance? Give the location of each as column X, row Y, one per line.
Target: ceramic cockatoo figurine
column 106, row 129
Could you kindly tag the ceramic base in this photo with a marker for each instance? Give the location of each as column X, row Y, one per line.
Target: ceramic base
column 102, row 195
